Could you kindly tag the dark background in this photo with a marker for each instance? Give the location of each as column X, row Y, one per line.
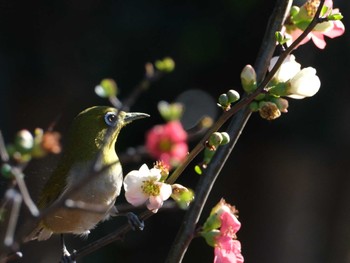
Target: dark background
column 288, row 178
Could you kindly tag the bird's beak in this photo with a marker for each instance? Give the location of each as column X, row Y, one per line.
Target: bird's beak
column 131, row 116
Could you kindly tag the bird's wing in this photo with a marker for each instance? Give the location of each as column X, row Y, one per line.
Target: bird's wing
column 56, row 184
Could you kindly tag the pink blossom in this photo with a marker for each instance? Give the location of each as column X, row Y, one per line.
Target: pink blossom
column 227, row 248
column 331, row 29
column 167, row 143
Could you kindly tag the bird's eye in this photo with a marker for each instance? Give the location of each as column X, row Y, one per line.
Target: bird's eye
column 111, row 118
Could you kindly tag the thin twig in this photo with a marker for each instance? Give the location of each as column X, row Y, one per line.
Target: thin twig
column 16, row 199
column 24, row 191
column 3, row 152
column 144, row 85
column 11, row 257
column 118, row 234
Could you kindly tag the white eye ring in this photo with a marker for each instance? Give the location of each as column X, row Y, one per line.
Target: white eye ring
column 111, row 119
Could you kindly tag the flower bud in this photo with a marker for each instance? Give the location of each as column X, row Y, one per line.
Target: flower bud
column 304, row 84
column 232, row 95
column 24, row 141
column 334, row 17
column 210, row 237
column 281, row 103
column 294, row 10
column 182, row 195
column 165, row 65
column 107, row 88
column 254, row 106
column 248, row 79
column 6, row 170
column 198, row 169
column 223, row 101
column 215, row 139
column 208, row 155
column 225, row 138
column 170, row 111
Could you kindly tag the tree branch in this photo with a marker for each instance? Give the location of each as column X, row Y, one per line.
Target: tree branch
column 207, row 180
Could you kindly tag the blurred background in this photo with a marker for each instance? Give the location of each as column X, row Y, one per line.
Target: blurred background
column 289, row 178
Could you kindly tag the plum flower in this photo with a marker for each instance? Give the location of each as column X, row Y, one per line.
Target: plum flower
column 227, row 249
column 292, row 82
column 287, row 70
column 143, row 187
column 302, row 16
column 304, row 84
column 167, row 143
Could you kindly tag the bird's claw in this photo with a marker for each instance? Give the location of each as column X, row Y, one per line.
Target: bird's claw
column 135, row 222
column 66, row 257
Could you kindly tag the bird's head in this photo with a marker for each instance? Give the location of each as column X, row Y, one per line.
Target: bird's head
column 97, row 128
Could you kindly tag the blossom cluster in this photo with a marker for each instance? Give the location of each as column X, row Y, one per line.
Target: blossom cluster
column 168, row 142
column 220, row 230
column 300, row 17
column 290, row 80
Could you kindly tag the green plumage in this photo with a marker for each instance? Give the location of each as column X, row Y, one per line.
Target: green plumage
column 94, row 131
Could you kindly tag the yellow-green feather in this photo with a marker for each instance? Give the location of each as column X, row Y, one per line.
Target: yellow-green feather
column 86, row 138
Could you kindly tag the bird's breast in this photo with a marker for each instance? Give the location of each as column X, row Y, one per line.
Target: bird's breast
column 95, row 198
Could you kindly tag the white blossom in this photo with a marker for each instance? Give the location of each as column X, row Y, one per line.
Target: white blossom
column 287, row 70
column 143, row 187
column 304, row 84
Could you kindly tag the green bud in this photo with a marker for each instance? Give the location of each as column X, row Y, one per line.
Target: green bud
column 208, row 155
column 260, row 96
column 210, row 237
column 215, row 139
column 24, row 141
column 233, row 96
column 182, row 195
column 324, row 10
column 225, row 138
column 279, row 37
column 223, row 100
column 337, row 16
column 281, row 103
column 198, row 169
column 212, row 222
column 294, row 11
column 254, row 106
column 107, row 88
column 165, row 65
column 170, row 111
column 6, row 170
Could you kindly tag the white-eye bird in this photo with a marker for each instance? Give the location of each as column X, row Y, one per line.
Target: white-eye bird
column 93, row 132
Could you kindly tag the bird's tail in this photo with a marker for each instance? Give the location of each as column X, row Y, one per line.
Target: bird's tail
column 39, row 233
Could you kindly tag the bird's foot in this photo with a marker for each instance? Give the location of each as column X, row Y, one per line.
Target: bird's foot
column 66, row 256
column 133, row 219
column 135, row 222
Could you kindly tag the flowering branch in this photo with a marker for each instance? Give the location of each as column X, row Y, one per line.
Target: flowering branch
column 207, row 180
